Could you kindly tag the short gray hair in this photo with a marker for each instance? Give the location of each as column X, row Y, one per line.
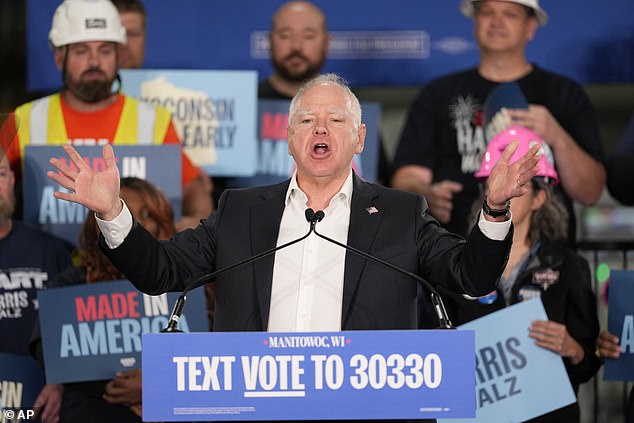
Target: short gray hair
column 331, row 79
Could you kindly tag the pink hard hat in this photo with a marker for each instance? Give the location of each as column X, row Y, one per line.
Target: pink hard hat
column 526, row 139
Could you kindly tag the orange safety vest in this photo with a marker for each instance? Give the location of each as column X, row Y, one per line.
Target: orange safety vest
column 40, row 122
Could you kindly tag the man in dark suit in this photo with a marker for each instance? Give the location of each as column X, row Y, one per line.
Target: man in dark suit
column 313, row 285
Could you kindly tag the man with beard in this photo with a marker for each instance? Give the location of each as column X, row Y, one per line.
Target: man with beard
column 29, row 259
column 85, row 36
column 299, row 43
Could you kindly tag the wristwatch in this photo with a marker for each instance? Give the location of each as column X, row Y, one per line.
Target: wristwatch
column 496, row 212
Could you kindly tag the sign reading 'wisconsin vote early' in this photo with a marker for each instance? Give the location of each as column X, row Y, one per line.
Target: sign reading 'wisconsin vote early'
column 160, row 165
column 621, row 324
column 92, row 331
column 214, row 113
column 515, row 379
column 308, row 376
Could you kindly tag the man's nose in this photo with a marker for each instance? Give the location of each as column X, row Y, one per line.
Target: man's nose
column 93, row 58
column 296, row 43
column 320, row 130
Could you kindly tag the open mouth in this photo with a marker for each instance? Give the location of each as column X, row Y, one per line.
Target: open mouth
column 320, row 148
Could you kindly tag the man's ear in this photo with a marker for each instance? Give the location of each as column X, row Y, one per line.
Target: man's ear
column 59, row 57
column 361, row 131
column 532, row 28
column 289, row 134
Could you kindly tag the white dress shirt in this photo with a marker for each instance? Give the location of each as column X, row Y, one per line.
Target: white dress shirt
column 307, row 286
column 307, row 293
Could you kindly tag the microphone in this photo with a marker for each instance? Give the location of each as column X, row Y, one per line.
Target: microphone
column 172, row 323
column 439, row 307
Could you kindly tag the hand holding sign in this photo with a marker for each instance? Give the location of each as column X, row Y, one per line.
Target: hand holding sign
column 125, row 388
column 98, row 191
column 555, row 337
column 608, row 345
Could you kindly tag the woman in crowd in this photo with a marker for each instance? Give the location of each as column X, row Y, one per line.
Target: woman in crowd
column 541, row 266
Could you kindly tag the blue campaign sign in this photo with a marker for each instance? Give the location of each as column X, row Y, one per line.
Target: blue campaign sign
column 508, row 95
column 160, row 164
column 515, row 379
column 621, row 324
column 308, row 376
column 214, row 113
column 91, row 331
column 21, row 380
column 274, row 164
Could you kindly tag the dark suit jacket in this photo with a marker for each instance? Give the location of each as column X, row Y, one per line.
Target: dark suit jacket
column 247, row 223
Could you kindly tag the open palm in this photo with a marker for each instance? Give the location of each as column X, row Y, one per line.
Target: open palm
column 98, row 191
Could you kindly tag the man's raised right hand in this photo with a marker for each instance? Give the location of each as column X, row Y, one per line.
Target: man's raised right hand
column 98, row 191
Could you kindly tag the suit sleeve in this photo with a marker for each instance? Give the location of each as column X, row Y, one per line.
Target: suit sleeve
column 472, row 267
column 155, row 267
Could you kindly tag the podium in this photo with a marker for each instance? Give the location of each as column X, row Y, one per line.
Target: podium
column 351, row 375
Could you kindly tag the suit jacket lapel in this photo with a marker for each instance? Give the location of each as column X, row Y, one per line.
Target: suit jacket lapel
column 366, row 213
column 265, row 224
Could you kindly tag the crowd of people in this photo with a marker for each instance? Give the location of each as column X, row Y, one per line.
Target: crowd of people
column 479, row 210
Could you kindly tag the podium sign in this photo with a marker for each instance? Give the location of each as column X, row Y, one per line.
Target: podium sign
column 308, row 376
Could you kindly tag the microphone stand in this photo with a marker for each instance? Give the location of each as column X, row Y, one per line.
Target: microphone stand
column 312, row 217
column 439, row 307
column 172, row 323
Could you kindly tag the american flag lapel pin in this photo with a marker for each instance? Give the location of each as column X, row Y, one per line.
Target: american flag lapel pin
column 372, row 210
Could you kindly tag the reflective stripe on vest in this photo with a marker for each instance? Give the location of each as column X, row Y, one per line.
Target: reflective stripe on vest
column 41, row 122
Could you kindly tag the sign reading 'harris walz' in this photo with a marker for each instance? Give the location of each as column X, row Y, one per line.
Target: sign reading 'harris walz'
column 92, row 331
column 308, row 376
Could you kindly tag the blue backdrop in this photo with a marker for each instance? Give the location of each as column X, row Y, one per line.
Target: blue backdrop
column 376, row 42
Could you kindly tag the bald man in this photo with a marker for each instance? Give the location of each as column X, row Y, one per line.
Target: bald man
column 299, row 45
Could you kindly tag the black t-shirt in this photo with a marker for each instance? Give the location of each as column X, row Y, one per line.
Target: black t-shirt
column 266, row 91
column 29, row 260
column 444, row 130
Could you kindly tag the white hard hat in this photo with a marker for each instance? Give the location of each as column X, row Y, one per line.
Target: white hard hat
column 467, row 8
column 77, row 21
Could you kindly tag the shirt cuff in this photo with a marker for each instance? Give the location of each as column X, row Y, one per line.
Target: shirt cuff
column 496, row 231
column 114, row 231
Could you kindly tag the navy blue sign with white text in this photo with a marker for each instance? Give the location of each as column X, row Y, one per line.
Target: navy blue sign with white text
column 92, row 331
column 374, row 43
column 621, row 324
column 160, row 164
column 21, row 381
column 308, row 376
